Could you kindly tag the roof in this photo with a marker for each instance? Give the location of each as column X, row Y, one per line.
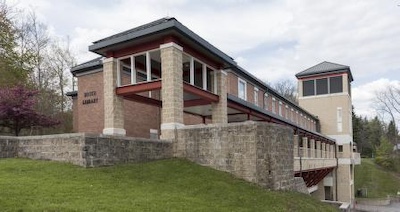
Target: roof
column 86, row 66
column 325, row 68
column 162, row 26
column 157, row 27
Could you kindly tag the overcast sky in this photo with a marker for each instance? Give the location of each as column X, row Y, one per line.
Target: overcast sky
column 272, row 39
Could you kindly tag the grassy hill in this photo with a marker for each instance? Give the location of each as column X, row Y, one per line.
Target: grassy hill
column 169, row 185
column 378, row 182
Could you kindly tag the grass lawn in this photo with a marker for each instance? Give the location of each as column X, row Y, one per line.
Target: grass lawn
column 168, row 185
column 379, row 182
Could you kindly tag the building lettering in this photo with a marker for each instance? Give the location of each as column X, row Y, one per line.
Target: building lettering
column 92, row 98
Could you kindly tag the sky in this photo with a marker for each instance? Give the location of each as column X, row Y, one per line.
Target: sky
column 272, row 39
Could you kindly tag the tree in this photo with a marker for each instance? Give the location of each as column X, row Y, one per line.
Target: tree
column 11, row 71
column 384, row 154
column 287, row 89
column 387, row 102
column 60, row 60
column 17, row 110
column 392, row 133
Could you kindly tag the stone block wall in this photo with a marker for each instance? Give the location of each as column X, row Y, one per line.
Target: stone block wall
column 87, row 150
column 62, row 147
column 109, row 150
column 8, row 147
column 257, row 152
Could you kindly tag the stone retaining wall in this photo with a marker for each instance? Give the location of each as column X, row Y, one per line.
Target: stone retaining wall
column 257, row 152
column 87, row 150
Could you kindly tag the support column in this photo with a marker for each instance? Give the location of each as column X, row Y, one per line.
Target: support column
column 171, row 89
column 312, row 147
column 318, row 143
column 305, row 147
column 113, row 104
column 295, row 146
column 323, row 150
column 220, row 108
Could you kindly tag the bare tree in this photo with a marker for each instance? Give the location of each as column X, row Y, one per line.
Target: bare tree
column 287, row 89
column 387, row 103
column 59, row 61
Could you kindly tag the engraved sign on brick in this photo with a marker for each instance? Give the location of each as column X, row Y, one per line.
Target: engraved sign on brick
column 90, row 98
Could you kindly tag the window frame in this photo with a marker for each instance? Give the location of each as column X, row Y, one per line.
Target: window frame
column 245, row 89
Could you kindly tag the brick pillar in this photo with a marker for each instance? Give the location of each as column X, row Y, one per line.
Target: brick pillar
column 295, row 146
column 172, row 89
column 318, row 143
column 312, row 147
column 305, row 148
column 220, row 108
column 113, row 104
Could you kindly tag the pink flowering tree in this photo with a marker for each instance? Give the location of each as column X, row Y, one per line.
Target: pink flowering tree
column 17, row 110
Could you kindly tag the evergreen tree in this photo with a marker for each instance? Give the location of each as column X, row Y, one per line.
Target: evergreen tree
column 392, row 133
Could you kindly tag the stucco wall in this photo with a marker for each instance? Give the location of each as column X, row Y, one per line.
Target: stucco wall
column 257, row 152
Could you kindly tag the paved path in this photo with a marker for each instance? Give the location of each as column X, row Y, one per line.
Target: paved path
column 394, row 207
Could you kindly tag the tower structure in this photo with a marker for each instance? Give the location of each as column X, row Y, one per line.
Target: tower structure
column 325, row 91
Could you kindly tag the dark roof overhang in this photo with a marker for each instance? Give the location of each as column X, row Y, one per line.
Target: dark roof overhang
column 325, row 68
column 87, row 66
column 157, row 30
column 72, row 93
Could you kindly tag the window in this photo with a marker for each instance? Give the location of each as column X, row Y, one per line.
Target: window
column 301, row 120
column 308, row 88
column 292, row 115
column 266, row 101
column 322, row 86
column 339, row 119
column 340, row 148
column 273, row 105
column 336, row 84
column 297, row 117
column 287, row 112
column 256, row 96
column 280, row 108
column 242, row 90
column 198, row 74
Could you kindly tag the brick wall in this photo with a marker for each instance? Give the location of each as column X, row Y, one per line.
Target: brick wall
column 261, row 153
column 91, row 116
column 87, row 150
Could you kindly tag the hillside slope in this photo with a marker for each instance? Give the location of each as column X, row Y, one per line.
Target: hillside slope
column 169, row 185
column 378, row 182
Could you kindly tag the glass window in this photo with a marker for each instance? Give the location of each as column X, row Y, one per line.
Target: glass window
column 256, row 96
column 322, row 86
column 186, row 68
column 336, row 84
column 273, row 105
column 198, row 74
column 280, row 108
column 266, row 101
column 308, row 88
column 242, row 89
column 287, row 112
